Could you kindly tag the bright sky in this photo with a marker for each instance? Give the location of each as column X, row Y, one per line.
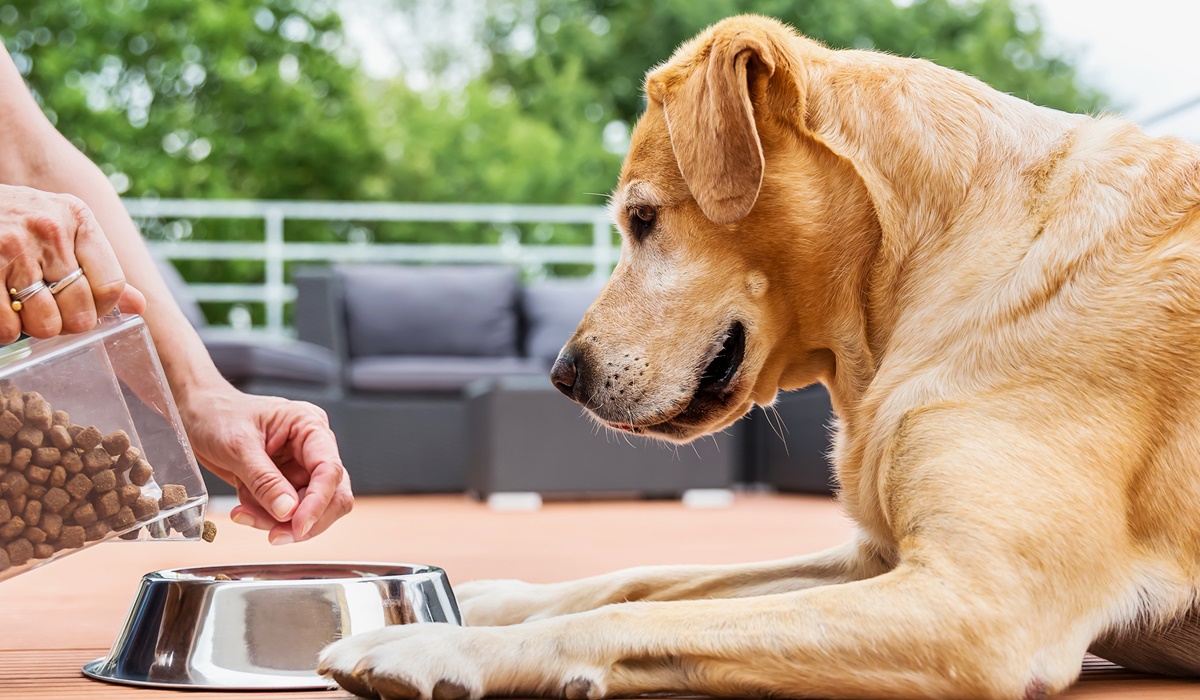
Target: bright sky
column 1145, row 54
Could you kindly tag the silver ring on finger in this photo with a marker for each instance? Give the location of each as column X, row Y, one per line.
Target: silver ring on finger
column 19, row 298
column 56, row 287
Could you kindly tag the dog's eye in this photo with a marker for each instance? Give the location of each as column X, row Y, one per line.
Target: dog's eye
column 641, row 220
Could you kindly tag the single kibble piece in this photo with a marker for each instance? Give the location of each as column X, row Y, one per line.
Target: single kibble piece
column 16, row 403
column 127, row 459
column 97, row 532
column 107, row 504
column 36, row 491
column 72, row 537
column 116, row 442
column 105, row 480
column 5, row 512
column 132, row 534
column 69, row 509
column 5, row 562
column 11, row 529
column 210, row 531
column 39, row 414
column 35, row 535
column 141, row 472
column 30, row 437
column 10, row 424
column 32, row 396
column 52, row 525
column 71, row 461
column 123, row 518
column 55, row 500
column 222, row 577
column 17, row 503
column 44, row 550
column 85, row 515
column 58, row 476
column 60, row 438
column 74, row 431
column 173, row 496
column 145, row 508
column 89, row 438
column 46, row 456
column 5, row 453
column 129, row 494
column 13, row 484
column 37, row 475
column 20, row 551
column 61, row 418
column 94, row 460
column 22, row 458
column 79, row 486
column 33, row 513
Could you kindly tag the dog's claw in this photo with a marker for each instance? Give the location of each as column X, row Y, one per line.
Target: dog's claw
column 578, row 689
column 395, row 688
column 449, row 690
column 355, row 686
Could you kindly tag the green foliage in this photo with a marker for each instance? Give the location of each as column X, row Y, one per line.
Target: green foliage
column 241, row 98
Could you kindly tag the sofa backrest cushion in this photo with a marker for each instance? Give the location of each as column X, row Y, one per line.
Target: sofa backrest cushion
column 553, row 308
column 430, row 310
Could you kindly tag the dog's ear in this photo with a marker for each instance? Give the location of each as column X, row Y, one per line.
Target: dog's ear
column 710, row 119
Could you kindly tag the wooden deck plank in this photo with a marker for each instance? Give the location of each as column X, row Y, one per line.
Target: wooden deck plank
column 55, row 619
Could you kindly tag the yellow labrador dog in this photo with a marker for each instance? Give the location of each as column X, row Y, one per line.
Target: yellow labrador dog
column 1004, row 302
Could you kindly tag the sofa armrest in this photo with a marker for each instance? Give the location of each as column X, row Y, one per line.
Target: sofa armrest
column 321, row 309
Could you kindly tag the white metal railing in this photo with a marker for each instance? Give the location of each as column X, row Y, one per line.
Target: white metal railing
column 275, row 250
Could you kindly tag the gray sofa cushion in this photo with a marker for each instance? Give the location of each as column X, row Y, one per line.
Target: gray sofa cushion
column 243, row 360
column 434, row 374
column 435, row 310
column 553, row 308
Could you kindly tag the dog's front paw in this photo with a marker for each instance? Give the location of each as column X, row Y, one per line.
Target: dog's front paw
column 406, row 661
column 433, row 661
column 506, row 602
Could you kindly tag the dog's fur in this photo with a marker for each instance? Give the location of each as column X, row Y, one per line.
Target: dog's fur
column 1004, row 302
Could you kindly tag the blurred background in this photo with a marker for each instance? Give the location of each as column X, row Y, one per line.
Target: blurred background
column 514, row 101
column 258, row 140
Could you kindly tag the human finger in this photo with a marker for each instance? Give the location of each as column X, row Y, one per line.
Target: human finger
column 38, row 312
column 95, row 255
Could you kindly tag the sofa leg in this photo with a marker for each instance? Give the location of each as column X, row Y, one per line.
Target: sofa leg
column 707, row 498
column 515, row 501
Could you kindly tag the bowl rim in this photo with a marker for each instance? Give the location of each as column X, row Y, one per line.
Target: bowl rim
column 418, row 571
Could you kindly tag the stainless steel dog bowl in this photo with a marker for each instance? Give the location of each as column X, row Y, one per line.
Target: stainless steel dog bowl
column 263, row 628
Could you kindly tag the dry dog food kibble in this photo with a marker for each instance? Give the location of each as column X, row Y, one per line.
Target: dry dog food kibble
column 63, row 485
column 210, row 531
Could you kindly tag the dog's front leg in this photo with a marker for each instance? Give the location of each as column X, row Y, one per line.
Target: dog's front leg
column 510, row 602
column 913, row 632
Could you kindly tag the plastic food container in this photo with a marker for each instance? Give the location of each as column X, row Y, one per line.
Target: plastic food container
column 91, row 447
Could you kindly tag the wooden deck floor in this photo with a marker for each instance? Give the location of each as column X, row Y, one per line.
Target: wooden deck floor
column 55, row 619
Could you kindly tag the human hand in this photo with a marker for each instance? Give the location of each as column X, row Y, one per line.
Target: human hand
column 281, row 456
column 46, row 237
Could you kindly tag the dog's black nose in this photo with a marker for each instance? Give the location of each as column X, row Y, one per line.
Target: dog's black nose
column 564, row 374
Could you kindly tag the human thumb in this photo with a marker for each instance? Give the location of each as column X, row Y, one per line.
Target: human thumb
column 132, row 301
